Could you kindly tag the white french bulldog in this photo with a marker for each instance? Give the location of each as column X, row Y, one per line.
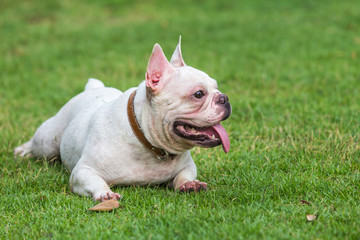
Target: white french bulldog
column 139, row 137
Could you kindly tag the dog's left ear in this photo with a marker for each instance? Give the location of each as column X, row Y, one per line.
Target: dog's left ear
column 158, row 68
column 177, row 59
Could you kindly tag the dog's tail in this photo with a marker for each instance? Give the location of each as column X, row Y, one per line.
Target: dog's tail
column 93, row 83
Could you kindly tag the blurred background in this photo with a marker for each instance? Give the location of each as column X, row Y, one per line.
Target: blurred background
column 273, row 58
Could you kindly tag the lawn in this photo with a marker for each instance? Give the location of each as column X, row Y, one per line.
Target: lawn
column 290, row 68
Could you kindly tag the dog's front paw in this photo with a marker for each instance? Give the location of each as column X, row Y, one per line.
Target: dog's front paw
column 192, row 186
column 103, row 196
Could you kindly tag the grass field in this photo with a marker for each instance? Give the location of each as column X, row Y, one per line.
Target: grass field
column 290, row 68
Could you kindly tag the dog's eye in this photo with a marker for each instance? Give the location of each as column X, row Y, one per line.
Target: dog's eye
column 199, row 94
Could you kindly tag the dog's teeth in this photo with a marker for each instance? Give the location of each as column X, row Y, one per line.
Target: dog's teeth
column 193, row 130
column 213, row 136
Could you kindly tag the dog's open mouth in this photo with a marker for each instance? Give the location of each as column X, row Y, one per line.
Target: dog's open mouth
column 203, row 136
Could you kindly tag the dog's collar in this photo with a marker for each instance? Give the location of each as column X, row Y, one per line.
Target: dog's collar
column 158, row 152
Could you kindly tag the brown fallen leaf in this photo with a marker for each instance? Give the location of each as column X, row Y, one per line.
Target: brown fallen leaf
column 105, row 206
column 305, row 202
column 311, row 217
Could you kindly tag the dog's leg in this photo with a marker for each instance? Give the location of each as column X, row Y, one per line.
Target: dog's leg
column 45, row 142
column 86, row 182
column 47, row 138
column 186, row 180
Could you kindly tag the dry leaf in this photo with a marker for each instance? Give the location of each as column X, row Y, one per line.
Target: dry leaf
column 311, row 217
column 305, row 202
column 42, row 198
column 107, row 205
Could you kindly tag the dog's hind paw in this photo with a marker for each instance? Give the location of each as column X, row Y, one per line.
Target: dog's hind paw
column 23, row 150
column 193, row 186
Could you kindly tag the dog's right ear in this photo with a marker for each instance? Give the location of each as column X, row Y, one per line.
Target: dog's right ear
column 177, row 59
column 158, row 68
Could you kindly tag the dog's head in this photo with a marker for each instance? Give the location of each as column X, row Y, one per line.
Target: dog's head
column 186, row 104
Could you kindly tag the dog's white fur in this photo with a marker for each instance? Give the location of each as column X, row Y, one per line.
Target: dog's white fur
column 92, row 134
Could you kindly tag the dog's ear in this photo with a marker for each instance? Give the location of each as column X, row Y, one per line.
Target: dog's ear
column 157, row 69
column 177, row 59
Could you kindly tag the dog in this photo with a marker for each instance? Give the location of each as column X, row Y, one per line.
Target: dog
column 142, row 136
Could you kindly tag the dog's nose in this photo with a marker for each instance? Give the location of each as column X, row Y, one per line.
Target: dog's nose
column 223, row 99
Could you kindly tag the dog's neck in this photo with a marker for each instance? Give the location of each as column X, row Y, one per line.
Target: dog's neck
column 139, row 132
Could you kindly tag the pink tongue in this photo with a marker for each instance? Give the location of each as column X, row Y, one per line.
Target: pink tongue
column 223, row 136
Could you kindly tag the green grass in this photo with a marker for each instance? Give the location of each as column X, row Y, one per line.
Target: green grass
column 290, row 68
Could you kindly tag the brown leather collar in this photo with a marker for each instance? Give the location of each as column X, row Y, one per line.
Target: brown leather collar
column 158, row 152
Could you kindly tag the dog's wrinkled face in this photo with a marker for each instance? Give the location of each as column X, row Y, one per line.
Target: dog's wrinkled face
column 187, row 103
